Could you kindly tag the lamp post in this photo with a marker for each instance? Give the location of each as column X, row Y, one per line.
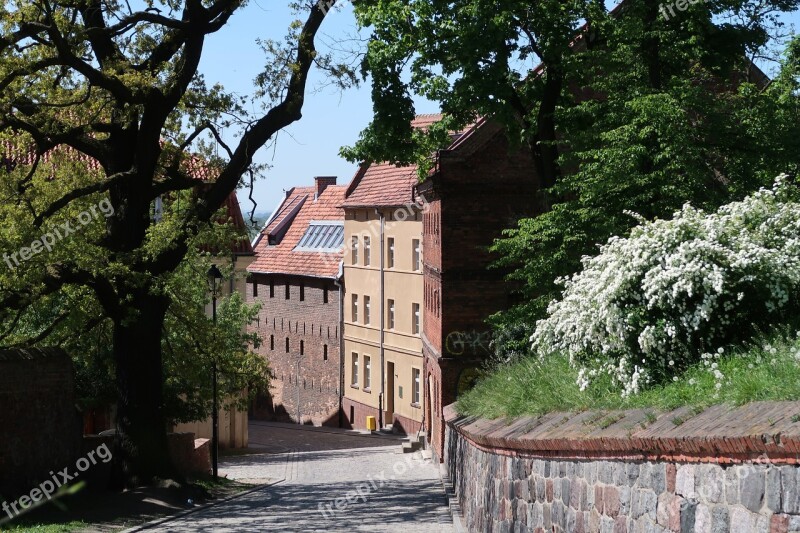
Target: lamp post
column 214, row 283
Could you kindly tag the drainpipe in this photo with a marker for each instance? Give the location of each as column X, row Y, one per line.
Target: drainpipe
column 339, row 282
column 383, row 323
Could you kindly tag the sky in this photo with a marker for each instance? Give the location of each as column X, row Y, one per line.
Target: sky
column 331, row 118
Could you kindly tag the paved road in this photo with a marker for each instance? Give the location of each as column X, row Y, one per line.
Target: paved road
column 377, row 488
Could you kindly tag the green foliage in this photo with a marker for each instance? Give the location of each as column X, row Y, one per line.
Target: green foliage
column 766, row 369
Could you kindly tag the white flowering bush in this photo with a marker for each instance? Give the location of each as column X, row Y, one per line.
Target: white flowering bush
column 677, row 291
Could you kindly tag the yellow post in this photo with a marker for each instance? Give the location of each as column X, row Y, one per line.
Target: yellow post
column 371, row 425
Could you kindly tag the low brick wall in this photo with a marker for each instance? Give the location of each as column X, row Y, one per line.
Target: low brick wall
column 40, row 428
column 719, row 471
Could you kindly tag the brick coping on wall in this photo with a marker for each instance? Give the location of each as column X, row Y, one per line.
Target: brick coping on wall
column 766, row 432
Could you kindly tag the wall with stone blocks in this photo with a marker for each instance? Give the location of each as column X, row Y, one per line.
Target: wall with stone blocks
column 502, row 486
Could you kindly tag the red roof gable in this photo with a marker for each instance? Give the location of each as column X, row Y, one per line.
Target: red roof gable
column 388, row 185
column 288, row 226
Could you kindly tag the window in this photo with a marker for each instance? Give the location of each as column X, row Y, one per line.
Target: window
column 390, row 252
column 415, row 318
column 324, row 352
column 415, row 391
column 367, row 255
column 367, row 372
column 416, row 260
column 272, row 288
column 255, row 289
column 354, row 309
column 366, row 309
column 325, row 294
column 288, row 293
column 354, row 251
column 354, row 378
column 272, row 342
column 287, row 344
column 302, row 347
column 390, row 315
column 302, row 292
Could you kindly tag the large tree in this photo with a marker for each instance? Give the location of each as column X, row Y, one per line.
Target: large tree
column 120, row 88
column 622, row 109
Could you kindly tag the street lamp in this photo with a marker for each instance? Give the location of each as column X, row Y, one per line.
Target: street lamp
column 214, row 284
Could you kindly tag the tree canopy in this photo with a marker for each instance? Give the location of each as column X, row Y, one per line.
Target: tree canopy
column 621, row 109
column 103, row 113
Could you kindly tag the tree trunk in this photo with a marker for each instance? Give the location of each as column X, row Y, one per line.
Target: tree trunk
column 142, row 437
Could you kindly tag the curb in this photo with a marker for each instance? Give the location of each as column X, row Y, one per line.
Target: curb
column 452, row 501
column 181, row 514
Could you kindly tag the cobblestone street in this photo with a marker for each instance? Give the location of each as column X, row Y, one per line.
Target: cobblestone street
column 308, row 469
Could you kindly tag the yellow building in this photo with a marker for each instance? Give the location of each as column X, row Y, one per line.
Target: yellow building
column 383, row 299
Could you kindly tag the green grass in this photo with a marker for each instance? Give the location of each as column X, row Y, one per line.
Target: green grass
column 535, row 387
column 46, row 528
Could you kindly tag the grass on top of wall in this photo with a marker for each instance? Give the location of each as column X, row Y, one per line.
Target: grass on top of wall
column 767, row 370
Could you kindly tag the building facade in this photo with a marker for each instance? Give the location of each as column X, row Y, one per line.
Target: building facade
column 297, row 279
column 478, row 188
column 383, row 306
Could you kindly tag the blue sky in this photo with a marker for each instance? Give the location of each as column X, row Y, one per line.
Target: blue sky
column 331, row 118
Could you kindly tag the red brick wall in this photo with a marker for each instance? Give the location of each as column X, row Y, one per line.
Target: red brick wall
column 41, row 429
column 475, row 199
column 354, row 414
column 312, row 322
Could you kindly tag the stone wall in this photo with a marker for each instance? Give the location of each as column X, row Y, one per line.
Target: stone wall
column 739, row 475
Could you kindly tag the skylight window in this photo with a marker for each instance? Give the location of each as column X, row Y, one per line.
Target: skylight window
column 323, row 236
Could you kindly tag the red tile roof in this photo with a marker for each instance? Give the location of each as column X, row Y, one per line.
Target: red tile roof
column 382, row 185
column 288, row 226
column 387, row 185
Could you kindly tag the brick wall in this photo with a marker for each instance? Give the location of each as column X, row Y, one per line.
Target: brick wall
column 354, row 414
column 41, row 429
column 725, row 470
column 311, row 325
column 471, row 201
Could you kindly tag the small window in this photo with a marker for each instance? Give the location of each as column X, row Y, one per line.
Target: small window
column 367, row 251
column 354, row 309
column 390, row 314
column 354, row 250
column 287, row 344
column 367, row 372
column 354, row 379
column 255, row 289
column 416, row 386
column 417, row 255
column 272, row 342
column 415, row 318
column 288, row 289
column 302, row 292
column 366, row 309
column 272, row 288
column 302, row 347
column 325, row 295
column 390, row 252
column 324, row 352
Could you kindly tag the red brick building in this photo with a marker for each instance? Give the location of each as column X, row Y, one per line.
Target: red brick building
column 478, row 188
column 296, row 277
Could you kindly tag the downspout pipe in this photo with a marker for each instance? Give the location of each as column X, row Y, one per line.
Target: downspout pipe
column 382, row 396
column 339, row 282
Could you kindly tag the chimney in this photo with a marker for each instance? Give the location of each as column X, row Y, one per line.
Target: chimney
column 321, row 183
